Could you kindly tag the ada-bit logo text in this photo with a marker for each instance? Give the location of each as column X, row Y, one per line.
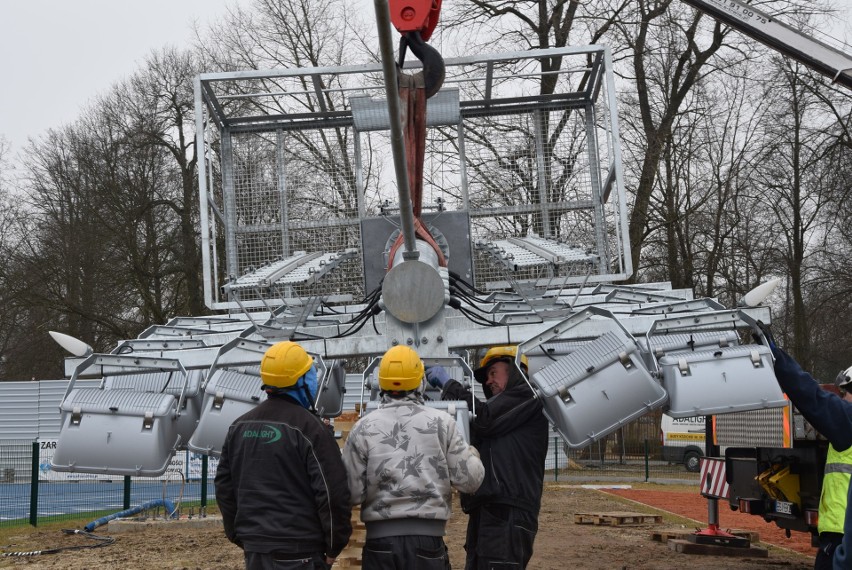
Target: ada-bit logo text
column 271, row 434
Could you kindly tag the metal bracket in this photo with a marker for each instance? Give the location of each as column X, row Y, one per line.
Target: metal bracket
column 76, row 416
column 148, row 421
column 218, row 400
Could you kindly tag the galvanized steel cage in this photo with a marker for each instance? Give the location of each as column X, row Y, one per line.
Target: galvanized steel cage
column 522, row 176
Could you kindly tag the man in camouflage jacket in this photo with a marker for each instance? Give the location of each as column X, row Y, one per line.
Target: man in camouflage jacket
column 402, row 460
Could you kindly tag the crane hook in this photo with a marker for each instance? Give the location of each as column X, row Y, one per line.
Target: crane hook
column 434, row 70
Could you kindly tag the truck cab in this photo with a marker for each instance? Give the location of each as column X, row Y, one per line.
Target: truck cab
column 682, row 440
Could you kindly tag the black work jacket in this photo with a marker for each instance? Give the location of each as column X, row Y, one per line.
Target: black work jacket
column 511, row 433
column 281, row 485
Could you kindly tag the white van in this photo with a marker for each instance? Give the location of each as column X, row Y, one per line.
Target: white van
column 682, row 440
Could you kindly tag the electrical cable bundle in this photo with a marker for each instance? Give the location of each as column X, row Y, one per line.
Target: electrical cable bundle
column 359, row 319
column 101, row 541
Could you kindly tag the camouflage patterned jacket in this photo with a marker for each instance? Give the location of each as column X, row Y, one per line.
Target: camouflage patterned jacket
column 402, row 461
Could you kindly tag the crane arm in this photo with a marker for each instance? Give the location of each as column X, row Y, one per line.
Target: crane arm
column 784, row 39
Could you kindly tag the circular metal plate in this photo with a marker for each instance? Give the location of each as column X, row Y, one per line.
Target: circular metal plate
column 413, row 291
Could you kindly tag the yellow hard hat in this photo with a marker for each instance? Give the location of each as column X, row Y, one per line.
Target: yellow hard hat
column 283, row 364
column 502, row 352
column 400, row 370
column 498, row 353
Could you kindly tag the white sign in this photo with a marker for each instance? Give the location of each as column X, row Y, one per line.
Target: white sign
column 184, row 463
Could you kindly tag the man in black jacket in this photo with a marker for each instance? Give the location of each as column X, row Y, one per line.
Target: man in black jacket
column 281, row 485
column 510, row 432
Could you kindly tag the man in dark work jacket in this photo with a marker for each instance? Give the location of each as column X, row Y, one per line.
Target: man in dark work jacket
column 511, row 433
column 281, row 485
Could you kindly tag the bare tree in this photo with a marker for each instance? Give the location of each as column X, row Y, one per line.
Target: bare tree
column 111, row 247
column 296, row 34
column 507, row 166
column 702, row 216
column 667, row 62
column 154, row 114
column 799, row 185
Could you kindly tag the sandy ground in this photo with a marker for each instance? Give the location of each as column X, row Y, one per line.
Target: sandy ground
column 560, row 543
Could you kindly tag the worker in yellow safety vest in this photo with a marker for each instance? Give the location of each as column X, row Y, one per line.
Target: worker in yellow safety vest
column 835, row 485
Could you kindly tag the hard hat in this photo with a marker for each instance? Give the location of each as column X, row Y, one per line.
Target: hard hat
column 844, row 379
column 503, row 352
column 400, row 370
column 496, row 353
column 283, row 364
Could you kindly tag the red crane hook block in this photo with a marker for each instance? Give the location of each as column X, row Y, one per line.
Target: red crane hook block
column 415, row 16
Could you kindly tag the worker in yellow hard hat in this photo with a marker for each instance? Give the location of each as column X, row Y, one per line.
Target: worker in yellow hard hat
column 404, row 459
column 280, row 484
column 494, row 383
column 511, row 432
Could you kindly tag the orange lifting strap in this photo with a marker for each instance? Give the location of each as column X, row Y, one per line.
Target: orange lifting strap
column 421, row 17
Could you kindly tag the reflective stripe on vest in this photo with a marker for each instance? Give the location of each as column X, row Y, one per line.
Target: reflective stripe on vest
column 838, row 468
column 835, row 486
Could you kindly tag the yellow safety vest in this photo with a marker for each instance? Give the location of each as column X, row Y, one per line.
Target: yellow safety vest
column 835, row 486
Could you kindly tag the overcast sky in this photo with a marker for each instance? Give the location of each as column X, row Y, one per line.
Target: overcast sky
column 55, row 55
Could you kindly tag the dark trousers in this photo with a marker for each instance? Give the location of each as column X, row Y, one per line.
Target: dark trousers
column 405, row 553
column 499, row 537
column 828, row 541
column 280, row 561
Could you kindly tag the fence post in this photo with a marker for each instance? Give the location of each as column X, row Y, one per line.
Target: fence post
column 556, row 459
column 34, row 486
column 126, row 500
column 647, row 453
column 204, row 483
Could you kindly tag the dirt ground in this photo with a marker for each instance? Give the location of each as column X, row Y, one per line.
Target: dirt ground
column 560, row 543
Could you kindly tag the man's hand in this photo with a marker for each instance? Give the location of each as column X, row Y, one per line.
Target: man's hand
column 437, row 376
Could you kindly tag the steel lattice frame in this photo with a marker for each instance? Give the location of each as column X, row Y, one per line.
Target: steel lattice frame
column 296, row 159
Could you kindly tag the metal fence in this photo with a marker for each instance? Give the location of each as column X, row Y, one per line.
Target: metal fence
column 27, row 496
column 633, row 453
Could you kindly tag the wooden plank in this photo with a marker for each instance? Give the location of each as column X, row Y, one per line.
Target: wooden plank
column 617, row 518
column 347, row 562
column 686, row 547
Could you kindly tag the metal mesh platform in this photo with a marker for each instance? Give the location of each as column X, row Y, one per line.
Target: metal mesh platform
column 301, row 268
column 517, row 253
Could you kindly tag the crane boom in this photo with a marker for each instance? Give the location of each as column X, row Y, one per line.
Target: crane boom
column 786, row 40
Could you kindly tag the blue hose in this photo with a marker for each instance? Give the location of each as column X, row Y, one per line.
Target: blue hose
column 167, row 504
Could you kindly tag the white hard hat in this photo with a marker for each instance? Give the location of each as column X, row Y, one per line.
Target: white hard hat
column 844, row 379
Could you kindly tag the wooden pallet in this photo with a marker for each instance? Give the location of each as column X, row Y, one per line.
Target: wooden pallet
column 686, row 547
column 344, row 427
column 345, row 561
column 665, row 535
column 617, row 518
column 350, row 557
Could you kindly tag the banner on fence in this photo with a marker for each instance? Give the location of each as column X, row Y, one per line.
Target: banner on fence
column 186, row 463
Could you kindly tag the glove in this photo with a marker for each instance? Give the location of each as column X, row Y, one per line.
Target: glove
column 767, row 334
column 437, row 376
